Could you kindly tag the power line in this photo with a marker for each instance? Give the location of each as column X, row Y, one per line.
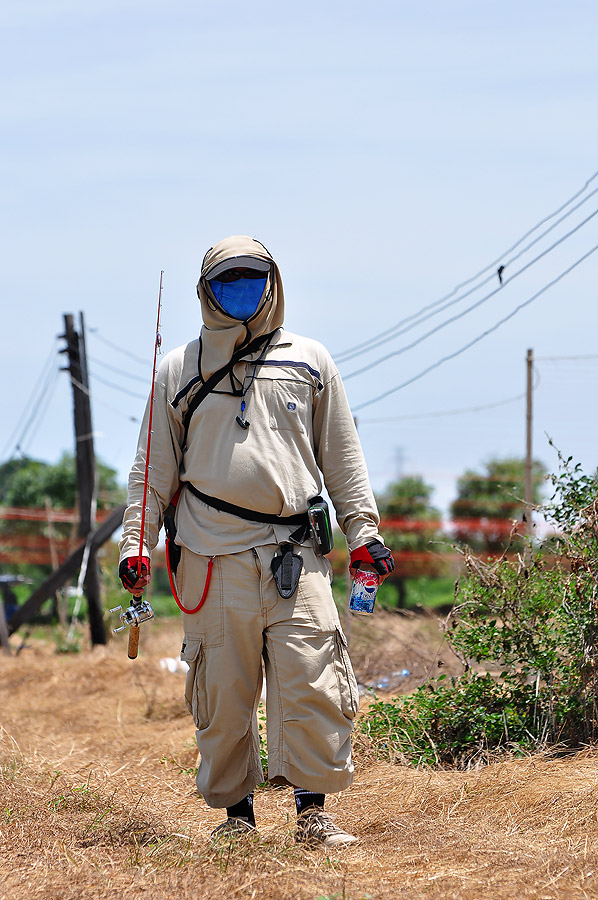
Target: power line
column 558, row 358
column 39, row 400
column 44, row 402
column 118, row 387
column 34, row 402
column 480, row 336
column 103, row 403
column 37, row 412
column 124, row 350
column 417, row 318
column 105, row 365
column 483, row 271
column 473, row 306
column 442, row 412
column 453, row 412
column 118, row 412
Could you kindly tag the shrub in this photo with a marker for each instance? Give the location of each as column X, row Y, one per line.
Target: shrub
column 526, row 631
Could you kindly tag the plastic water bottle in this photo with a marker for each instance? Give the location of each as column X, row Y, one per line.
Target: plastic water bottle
column 363, row 592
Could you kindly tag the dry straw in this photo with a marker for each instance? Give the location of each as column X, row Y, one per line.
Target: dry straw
column 97, row 800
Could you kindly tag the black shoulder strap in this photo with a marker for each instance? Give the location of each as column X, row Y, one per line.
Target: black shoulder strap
column 214, row 379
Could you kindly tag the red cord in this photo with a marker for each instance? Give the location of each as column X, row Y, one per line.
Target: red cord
column 188, row 612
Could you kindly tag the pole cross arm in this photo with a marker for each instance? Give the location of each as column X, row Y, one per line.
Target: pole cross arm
column 65, row 571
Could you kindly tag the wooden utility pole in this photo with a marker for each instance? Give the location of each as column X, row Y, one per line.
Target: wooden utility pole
column 529, row 484
column 86, row 467
column 3, row 628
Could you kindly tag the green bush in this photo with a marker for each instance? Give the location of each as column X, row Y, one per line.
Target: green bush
column 526, row 632
column 453, row 724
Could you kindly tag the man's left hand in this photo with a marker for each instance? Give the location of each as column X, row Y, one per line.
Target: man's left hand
column 375, row 554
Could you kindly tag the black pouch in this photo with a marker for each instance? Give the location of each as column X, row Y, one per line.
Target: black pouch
column 173, row 550
column 286, row 568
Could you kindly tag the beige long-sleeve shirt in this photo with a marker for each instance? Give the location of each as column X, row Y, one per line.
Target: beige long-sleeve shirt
column 301, row 436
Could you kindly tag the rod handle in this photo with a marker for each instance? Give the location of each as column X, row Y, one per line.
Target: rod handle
column 133, row 641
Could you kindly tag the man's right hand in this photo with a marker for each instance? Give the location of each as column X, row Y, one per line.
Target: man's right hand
column 127, row 572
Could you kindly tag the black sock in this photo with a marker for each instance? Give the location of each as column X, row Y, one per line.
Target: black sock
column 304, row 799
column 242, row 810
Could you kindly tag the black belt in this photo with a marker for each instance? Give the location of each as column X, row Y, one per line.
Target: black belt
column 251, row 515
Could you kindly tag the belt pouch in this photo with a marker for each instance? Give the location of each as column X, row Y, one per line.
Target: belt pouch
column 173, row 550
column 286, row 569
column 319, row 520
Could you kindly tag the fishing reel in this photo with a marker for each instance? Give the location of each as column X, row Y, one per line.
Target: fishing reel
column 134, row 616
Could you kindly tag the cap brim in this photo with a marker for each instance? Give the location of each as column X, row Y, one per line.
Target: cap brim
column 238, row 262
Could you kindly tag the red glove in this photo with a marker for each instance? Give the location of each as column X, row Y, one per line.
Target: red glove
column 376, row 554
column 127, row 572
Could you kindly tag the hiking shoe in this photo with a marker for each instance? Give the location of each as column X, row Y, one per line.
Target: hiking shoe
column 232, row 829
column 316, row 829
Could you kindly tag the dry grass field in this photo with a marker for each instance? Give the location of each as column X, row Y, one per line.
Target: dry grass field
column 97, row 797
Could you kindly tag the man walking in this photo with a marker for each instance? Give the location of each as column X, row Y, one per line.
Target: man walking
column 247, row 419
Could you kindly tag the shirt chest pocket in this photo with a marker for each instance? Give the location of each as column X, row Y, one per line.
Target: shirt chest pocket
column 289, row 406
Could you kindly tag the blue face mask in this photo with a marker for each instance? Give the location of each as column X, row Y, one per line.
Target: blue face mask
column 241, row 298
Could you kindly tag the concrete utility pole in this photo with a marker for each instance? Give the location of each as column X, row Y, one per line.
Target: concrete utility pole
column 86, row 467
column 529, row 485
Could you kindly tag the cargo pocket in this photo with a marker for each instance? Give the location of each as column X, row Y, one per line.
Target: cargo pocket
column 347, row 683
column 195, row 688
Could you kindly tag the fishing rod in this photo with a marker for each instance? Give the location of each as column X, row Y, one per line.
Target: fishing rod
column 140, row 610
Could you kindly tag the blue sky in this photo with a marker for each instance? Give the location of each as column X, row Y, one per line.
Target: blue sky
column 383, row 153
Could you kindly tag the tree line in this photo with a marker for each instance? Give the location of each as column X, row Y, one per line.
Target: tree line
column 488, row 501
